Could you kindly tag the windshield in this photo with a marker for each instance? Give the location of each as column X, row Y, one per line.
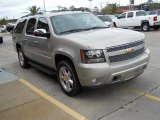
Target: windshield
column 75, row 22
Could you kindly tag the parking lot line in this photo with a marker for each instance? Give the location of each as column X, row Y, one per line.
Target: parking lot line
column 149, row 96
column 53, row 101
column 8, row 51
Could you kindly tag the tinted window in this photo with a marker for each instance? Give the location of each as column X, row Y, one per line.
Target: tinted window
column 43, row 24
column 20, row 26
column 122, row 16
column 141, row 13
column 31, row 26
column 158, row 12
column 130, row 15
column 152, row 13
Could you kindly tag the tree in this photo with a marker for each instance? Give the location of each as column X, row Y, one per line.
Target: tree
column 72, row 8
column 111, row 9
column 154, row 6
column 95, row 10
column 34, row 10
column 3, row 21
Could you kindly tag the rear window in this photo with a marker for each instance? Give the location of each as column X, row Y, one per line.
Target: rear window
column 141, row 13
column 20, row 26
column 152, row 13
column 158, row 12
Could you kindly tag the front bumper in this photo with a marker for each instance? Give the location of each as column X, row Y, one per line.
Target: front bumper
column 106, row 73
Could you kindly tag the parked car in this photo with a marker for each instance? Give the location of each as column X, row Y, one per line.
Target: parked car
column 137, row 19
column 10, row 28
column 107, row 19
column 2, row 28
column 80, row 49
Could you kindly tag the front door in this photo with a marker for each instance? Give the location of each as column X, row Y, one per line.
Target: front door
column 121, row 22
column 42, row 51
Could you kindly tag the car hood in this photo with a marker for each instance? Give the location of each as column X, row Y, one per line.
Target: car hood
column 102, row 38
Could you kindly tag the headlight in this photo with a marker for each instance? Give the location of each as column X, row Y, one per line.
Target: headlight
column 92, row 56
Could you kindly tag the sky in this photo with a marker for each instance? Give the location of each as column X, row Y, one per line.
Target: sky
column 16, row 8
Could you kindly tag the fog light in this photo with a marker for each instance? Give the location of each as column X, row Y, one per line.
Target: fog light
column 94, row 81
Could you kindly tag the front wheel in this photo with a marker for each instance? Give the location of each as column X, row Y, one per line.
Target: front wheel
column 145, row 27
column 68, row 79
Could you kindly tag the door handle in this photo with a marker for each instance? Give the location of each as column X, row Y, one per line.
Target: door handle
column 25, row 39
column 35, row 42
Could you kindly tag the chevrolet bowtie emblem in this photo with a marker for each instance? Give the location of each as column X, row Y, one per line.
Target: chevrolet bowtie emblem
column 129, row 50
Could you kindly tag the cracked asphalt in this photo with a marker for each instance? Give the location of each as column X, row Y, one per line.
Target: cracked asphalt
column 137, row 99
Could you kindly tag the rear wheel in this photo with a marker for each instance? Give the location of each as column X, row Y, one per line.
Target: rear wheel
column 68, row 79
column 22, row 59
column 145, row 27
column 156, row 28
column 1, row 39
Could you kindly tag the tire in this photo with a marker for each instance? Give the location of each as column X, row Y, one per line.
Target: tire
column 22, row 59
column 1, row 40
column 145, row 27
column 156, row 28
column 114, row 24
column 67, row 78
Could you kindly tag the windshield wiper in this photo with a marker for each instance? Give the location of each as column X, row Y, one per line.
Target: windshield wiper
column 70, row 31
column 97, row 27
column 78, row 30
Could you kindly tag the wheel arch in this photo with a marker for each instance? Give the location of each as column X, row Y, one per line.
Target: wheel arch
column 59, row 57
column 144, row 21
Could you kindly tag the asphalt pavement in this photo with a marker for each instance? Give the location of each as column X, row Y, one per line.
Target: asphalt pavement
column 137, row 99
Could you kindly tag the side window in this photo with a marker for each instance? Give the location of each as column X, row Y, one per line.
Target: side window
column 43, row 24
column 20, row 26
column 141, row 13
column 152, row 13
column 122, row 16
column 31, row 26
column 130, row 15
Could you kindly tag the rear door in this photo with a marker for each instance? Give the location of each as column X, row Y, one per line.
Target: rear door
column 29, row 38
column 42, row 51
column 18, row 34
column 139, row 17
column 130, row 21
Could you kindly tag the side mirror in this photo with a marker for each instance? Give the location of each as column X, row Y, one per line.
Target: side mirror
column 41, row 33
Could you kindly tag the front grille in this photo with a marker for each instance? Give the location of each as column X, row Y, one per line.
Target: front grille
column 126, row 56
column 125, row 46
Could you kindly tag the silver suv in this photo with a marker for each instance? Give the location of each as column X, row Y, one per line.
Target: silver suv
column 80, row 48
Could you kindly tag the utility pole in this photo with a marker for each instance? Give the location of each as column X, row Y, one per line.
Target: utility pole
column 90, row 4
column 141, row 5
column 44, row 6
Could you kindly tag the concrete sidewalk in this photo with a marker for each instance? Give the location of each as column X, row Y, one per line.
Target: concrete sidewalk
column 20, row 102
